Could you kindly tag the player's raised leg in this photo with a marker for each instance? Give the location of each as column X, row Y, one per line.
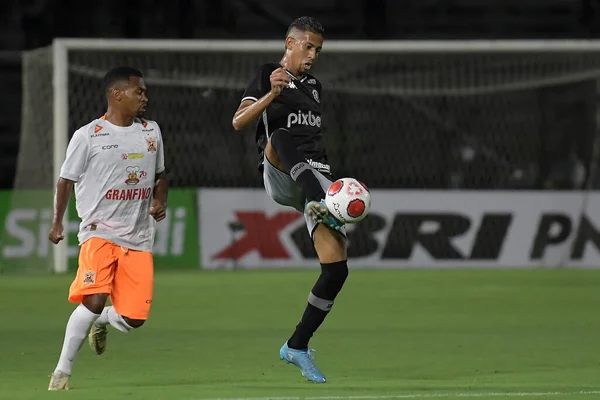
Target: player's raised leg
column 282, row 153
column 91, row 288
column 99, row 332
column 131, row 297
column 281, row 150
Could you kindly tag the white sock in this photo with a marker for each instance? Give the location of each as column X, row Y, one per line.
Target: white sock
column 103, row 319
column 78, row 327
column 110, row 316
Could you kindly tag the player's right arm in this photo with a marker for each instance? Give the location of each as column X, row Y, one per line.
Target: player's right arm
column 73, row 167
column 64, row 187
column 259, row 94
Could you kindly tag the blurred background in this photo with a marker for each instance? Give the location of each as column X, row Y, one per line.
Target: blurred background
column 441, row 140
column 502, row 119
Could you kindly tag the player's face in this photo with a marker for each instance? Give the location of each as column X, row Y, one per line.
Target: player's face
column 134, row 98
column 305, row 50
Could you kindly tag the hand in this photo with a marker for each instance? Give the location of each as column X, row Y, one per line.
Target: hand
column 279, row 79
column 158, row 210
column 56, row 234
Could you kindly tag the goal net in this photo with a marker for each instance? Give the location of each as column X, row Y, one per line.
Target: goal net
column 414, row 115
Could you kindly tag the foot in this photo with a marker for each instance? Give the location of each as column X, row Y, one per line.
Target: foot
column 318, row 211
column 59, row 381
column 302, row 359
column 97, row 338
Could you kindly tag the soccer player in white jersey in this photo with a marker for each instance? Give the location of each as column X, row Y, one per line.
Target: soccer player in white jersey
column 116, row 164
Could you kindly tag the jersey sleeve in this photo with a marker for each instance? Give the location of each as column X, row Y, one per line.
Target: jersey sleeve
column 160, row 157
column 76, row 160
column 259, row 84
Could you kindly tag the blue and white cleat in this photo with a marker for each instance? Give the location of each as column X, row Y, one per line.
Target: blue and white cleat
column 319, row 212
column 302, row 359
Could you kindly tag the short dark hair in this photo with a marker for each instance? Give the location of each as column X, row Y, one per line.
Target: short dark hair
column 119, row 74
column 307, row 24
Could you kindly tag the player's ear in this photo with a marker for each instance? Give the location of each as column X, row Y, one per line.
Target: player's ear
column 289, row 42
column 116, row 93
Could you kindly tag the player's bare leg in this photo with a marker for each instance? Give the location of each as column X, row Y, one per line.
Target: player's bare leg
column 329, row 245
column 79, row 325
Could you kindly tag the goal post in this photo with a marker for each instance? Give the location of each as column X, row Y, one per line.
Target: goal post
column 477, row 93
column 60, row 135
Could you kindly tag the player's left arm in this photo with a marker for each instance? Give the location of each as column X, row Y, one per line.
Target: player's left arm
column 158, row 210
column 159, row 201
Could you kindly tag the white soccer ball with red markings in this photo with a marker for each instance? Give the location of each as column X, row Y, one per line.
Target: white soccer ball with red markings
column 348, row 200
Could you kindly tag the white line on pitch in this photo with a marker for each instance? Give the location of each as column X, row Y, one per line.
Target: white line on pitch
column 417, row 396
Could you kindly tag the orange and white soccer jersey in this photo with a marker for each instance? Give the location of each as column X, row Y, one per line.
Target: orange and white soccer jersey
column 114, row 168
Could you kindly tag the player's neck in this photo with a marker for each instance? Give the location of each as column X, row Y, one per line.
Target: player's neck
column 118, row 118
column 285, row 63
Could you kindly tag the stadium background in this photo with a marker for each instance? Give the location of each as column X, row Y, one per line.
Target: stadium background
column 506, row 177
column 511, row 131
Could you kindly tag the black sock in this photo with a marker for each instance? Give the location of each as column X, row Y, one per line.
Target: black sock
column 320, row 301
column 308, row 325
column 293, row 161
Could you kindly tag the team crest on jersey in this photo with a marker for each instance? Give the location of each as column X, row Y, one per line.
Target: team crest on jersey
column 151, row 142
column 89, row 278
column 316, row 95
column 132, row 175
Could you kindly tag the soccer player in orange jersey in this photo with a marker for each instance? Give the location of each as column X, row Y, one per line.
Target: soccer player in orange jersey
column 116, row 166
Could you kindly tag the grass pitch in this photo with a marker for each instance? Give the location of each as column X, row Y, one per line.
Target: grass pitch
column 414, row 334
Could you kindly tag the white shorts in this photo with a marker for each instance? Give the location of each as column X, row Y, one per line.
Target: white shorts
column 283, row 190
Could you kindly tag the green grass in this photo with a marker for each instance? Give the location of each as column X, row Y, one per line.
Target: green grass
column 403, row 332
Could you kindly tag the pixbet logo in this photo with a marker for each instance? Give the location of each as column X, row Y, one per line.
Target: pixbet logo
column 301, row 118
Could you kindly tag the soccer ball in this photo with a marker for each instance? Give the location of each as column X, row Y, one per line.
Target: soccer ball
column 348, row 200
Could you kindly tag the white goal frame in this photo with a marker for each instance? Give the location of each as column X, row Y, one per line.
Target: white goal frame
column 62, row 46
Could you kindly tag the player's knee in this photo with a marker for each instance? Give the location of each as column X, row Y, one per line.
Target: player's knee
column 134, row 323
column 273, row 158
column 95, row 302
column 281, row 138
column 330, row 283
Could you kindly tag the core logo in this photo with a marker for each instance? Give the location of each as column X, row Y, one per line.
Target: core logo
column 301, row 118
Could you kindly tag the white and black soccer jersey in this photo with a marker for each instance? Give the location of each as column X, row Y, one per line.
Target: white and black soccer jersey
column 296, row 109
